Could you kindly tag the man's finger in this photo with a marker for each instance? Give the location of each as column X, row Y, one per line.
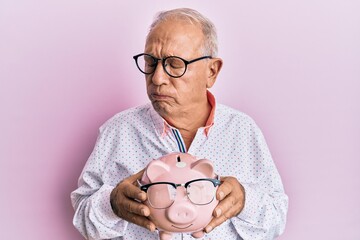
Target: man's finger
column 133, row 192
column 141, row 221
column 224, row 188
column 130, row 188
column 136, row 176
column 224, row 206
column 214, row 223
column 136, row 208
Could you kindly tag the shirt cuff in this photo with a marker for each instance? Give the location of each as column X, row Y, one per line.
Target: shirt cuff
column 102, row 209
column 249, row 210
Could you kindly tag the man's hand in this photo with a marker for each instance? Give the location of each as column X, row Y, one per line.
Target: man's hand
column 231, row 195
column 125, row 206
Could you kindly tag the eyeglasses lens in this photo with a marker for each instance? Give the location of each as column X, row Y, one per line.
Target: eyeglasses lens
column 146, row 63
column 201, row 192
column 174, row 66
column 161, row 195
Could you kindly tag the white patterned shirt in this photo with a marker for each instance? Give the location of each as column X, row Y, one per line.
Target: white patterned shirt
column 132, row 138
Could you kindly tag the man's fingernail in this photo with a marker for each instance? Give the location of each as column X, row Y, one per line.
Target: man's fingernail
column 221, row 195
column 144, row 212
column 150, row 227
column 208, row 229
column 218, row 212
column 141, row 196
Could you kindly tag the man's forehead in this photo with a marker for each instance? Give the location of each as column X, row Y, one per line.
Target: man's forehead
column 174, row 34
column 174, row 27
column 177, row 21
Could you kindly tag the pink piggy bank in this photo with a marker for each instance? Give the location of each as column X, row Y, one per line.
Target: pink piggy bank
column 181, row 193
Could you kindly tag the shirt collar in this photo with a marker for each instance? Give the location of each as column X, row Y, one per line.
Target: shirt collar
column 163, row 127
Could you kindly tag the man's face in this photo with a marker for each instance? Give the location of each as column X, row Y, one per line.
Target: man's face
column 172, row 97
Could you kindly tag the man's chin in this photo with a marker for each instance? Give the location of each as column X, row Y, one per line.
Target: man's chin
column 161, row 107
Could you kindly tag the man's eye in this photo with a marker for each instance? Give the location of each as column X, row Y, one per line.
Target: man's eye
column 175, row 63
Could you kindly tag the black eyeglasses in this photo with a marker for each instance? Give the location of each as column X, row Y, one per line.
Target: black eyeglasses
column 174, row 66
column 163, row 194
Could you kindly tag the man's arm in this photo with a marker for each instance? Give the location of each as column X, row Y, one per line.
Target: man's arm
column 254, row 201
column 94, row 217
column 260, row 216
column 103, row 206
column 104, row 213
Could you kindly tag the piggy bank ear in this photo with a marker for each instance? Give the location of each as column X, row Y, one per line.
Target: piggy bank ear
column 156, row 168
column 204, row 166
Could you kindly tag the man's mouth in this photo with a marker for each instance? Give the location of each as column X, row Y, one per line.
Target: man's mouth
column 159, row 96
column 181, row 227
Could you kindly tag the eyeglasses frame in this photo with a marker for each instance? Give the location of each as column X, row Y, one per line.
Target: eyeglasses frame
column 215, row 182
column 163, row 63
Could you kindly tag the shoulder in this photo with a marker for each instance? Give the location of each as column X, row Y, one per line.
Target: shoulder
column 228, row 115
column 129, row 117
column 237, row 123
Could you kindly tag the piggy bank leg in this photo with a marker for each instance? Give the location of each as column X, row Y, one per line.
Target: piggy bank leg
column 198, row 234
column 165, row 235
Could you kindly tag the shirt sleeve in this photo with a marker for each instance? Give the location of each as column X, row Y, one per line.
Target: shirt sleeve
column 266, row 204
column 94, row 217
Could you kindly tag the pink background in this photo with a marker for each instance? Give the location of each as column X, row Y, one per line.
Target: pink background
column 66, row 67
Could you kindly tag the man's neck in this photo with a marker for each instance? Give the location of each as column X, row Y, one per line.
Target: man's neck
column 189, row 121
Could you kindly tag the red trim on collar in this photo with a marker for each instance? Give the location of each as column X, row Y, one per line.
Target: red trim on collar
column 210, row 120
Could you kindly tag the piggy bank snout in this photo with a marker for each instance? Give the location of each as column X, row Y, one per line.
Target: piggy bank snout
column 182, row 213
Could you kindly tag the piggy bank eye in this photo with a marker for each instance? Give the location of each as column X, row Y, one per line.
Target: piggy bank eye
column 201, row 192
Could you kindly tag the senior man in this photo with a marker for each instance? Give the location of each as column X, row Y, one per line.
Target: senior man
column 180, row 64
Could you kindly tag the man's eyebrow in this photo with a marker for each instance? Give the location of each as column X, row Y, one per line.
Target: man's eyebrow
column 153, row 55
column 163, row 55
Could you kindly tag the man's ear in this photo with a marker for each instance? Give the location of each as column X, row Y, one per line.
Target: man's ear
column 214, row 69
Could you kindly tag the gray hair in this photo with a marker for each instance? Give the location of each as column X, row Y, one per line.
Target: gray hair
column 210, row 45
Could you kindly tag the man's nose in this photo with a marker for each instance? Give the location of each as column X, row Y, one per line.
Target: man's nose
column 160, row 77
